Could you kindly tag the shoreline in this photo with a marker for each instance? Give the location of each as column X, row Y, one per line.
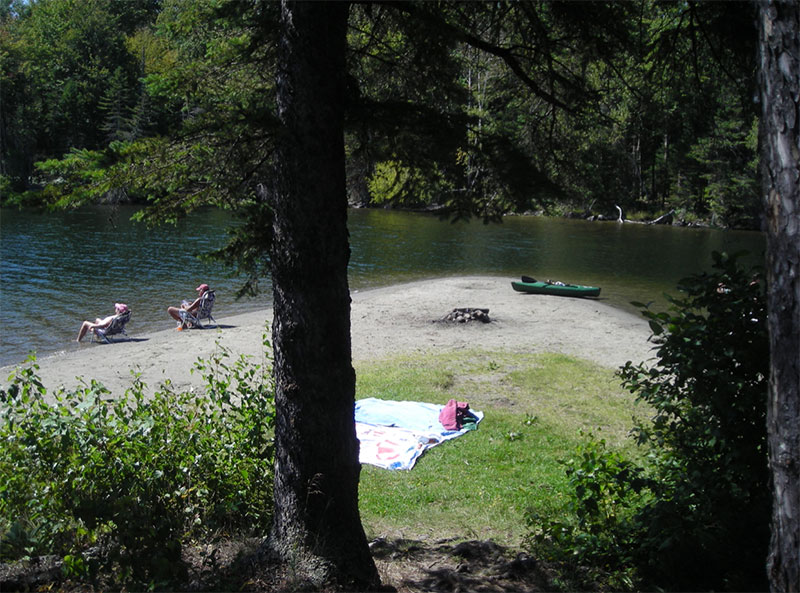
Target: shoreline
column 387, row 321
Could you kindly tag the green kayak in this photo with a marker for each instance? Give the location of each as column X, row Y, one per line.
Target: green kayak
column 533, row 286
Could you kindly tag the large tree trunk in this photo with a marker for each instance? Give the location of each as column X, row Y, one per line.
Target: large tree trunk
column 780, row 95
column 317, row 527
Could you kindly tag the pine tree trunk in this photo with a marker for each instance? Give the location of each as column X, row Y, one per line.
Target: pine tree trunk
column 317, row 527
column 779, row 30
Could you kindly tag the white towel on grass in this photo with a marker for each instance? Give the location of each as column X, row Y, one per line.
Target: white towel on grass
column 393, row 434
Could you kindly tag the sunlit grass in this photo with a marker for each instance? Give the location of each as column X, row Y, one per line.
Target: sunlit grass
column 480, row 485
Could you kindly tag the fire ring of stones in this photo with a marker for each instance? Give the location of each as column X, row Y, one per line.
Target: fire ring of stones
column 465, row 315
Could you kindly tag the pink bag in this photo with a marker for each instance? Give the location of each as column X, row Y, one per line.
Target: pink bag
column 452, row 415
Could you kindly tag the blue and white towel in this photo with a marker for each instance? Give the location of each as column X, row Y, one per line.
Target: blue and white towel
column 394, row 434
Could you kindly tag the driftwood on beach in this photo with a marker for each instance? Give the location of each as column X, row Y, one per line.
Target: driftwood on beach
column 663, row 219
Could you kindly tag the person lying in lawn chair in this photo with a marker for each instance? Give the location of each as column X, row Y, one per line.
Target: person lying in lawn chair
column 86, row 326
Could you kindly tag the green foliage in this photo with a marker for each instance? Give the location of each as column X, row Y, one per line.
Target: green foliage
column 60, row 59
column 696, row 517
column 625, row 118
column 710, row 517
column 392, row 182
column 79, row 177
column 487, row 108
column 121, row 484
column 728, row 164
column 596, row 535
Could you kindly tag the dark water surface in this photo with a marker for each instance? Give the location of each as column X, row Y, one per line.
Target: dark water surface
column 57, row 269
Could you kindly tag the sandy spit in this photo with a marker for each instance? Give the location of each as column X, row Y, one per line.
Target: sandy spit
column 403, row 318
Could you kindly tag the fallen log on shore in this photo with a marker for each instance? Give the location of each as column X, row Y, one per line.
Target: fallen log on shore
column 663, row 219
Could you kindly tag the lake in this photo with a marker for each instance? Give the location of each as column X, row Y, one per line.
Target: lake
column 57, row 269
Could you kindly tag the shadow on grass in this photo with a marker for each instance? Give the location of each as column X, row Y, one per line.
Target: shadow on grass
column 413, row 566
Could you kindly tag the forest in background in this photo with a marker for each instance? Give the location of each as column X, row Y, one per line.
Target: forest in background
column 143, row 101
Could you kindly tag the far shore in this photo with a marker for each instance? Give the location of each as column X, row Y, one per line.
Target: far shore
column 404, row 318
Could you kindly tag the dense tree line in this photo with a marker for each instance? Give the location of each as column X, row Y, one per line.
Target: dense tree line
column 518, row 107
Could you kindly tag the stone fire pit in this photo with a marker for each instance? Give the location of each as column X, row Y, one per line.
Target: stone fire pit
column 465, row 315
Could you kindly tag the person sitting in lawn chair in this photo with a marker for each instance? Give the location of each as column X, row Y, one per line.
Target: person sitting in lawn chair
column 190, row 314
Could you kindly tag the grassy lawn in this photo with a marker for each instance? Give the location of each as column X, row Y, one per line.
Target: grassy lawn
column 479, row 486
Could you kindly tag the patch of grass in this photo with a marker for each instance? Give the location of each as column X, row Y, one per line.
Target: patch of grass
column 577, row 395
column 481, row 485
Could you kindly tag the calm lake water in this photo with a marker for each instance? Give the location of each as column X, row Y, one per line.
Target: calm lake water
column 58, row 269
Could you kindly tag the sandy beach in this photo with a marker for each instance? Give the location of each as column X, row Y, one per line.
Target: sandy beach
column 403, row 318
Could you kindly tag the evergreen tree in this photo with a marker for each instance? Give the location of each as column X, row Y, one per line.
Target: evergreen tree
column 779, row 35
column 114, row 104
column 317, row 527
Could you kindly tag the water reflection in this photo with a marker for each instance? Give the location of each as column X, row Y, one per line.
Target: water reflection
column 629, row 261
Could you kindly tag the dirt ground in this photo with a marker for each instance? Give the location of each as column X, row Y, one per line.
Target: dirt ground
column 404, row 566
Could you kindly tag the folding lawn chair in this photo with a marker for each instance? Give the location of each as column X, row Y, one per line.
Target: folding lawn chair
column 203, row 312
column 116, row 327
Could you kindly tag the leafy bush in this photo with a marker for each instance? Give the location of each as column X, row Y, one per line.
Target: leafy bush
column 698, row 517
column 125, row 482
column 596, row 536
column 708, row 525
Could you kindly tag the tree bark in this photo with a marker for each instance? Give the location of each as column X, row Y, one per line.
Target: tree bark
column 779, row 43
column 317, row 528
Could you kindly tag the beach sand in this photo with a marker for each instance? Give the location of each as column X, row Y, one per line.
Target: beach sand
column 403, row 318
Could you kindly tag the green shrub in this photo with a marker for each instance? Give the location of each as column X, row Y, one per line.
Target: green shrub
column 124, row 483
column 594, row 539
column 697, row 516
column 708, row 524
